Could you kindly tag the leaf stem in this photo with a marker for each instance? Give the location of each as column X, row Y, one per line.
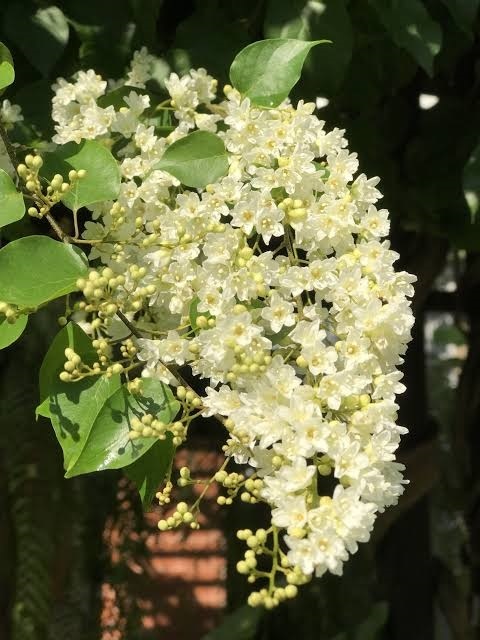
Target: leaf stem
column 75, row 224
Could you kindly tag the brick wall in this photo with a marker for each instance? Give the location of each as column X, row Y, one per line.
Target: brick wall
column 174, row 581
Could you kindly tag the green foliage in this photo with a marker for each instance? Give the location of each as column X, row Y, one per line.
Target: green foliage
column 196, row 160
column 12, row 206
column 73, row 408
column 241, row 624
column 412, row 28
column 463, row 12
column 266, row 71
column 102, row 181
column 115, row 98
column 149, row 471
column 7, row 72
column 37, row 269
column 370, row 628
column 325, row 67
column 471, row 182
column 41, row 36
column 11, row 332
column 91, row 417
column 99, row 439
column 71, row 336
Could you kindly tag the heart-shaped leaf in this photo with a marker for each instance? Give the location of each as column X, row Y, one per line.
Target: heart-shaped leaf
column 11, row 332
column 36, row 269
column 102, row 180
column 7, row 72
column 196, row 160
column 266, row 71
column 12, row 206
column 98, row 426
column 148, row 471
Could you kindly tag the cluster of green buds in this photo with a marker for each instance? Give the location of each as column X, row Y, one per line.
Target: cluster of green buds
column 164, row 496
column 135, row 386
column 57, row 187
column 265, row 542
column 188, row 398
column 118, row 215
column 232, row 482
column 73, row 367
column 182, row 515
column 295, row 209
column 98, row 289
column 251, row 492
column 149, row 427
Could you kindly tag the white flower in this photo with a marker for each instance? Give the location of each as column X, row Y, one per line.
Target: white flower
column 10, row 114
column 279, row 313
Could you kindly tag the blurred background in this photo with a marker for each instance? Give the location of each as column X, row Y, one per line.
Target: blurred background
column 78, row 558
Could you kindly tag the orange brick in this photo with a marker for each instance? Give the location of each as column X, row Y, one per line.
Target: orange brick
column 188, row 569
column 210, row 596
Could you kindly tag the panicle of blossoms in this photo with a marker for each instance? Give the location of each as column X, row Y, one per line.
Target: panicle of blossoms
column 75, row 109
column 275, row 285
column 10, row 114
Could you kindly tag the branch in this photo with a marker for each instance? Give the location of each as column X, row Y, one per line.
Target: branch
column 171, row 368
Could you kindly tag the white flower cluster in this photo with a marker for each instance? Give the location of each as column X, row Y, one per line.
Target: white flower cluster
column 10, row 114
column 276, row 285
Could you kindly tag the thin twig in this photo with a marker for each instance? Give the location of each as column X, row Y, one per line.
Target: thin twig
column 64, row 237
column 129, row 325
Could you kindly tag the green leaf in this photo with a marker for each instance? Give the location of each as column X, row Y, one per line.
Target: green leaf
column 116, row 97
column 71, row 405
column 371, row 627
column 71, row 336
column 196, row 160
column 7, row 72
column 463, row 12
column 149, row 471
column 309, row 20
column 193, row 314
column 96, row 426
column 471, row 182
column 37, row 269
column 266, row 71
column 411, row 28
column 11, row 332
column 43, row 409
column 49, row 382
column 102, row 181
column 12, row 206
column 42, row 36
column 241, row 624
